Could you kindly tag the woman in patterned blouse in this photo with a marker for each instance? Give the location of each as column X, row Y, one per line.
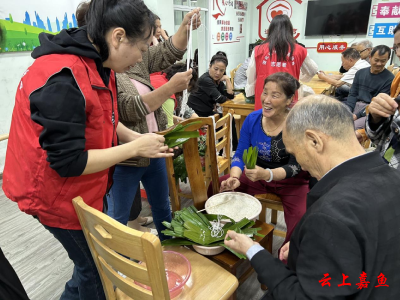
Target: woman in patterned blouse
column 276, row 171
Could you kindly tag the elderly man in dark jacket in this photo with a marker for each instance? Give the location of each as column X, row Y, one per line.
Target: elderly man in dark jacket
column 346, row 246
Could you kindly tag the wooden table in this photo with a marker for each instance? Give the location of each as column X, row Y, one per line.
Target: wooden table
column 243, row 109
column 216, row 285
column 319, row 85
column 231, row 262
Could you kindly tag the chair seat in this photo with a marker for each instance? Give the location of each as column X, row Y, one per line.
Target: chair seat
column 269, row 198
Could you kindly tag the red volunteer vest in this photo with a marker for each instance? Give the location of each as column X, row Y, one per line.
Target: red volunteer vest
column 28, row 178
column 267, row 65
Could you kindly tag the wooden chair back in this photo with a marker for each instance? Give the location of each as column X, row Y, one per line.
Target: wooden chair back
column 233, row 73
column 3, row 137
column 223, row 140
column 108, row 240
column 193, row 165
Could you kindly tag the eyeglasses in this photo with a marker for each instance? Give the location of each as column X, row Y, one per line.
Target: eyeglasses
column 363, row 50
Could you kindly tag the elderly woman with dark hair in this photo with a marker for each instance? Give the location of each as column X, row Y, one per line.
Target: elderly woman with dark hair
column 276, row 171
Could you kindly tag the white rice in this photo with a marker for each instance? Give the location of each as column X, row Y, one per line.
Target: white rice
column 234, row 205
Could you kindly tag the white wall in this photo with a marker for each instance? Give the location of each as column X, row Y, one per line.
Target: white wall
column 237, row 48
column 12, row 66
column 325, row 61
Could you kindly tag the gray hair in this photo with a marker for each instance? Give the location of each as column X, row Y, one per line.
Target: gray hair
column 366, row 43
column 320, row 113
column 351, row 53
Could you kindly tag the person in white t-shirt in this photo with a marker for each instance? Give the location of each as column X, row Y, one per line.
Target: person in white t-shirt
column 351, row 61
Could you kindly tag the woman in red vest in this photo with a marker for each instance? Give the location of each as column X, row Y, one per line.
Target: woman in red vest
column 279, row 53
column 63, row 135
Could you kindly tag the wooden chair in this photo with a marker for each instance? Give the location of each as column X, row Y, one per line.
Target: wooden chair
column 3, row 137
column 366, row 142
column 108, row 240
column 274, row 203
column 233, row 73
column 198, row 186
column 223, row 140
column 193, row 166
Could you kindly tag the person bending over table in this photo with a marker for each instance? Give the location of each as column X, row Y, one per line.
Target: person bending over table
column 276, row 171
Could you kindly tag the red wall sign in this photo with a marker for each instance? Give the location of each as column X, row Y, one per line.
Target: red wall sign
column 331, row 47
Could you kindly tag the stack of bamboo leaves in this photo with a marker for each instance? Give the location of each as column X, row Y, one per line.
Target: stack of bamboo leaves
column 250, row 157
column 178, row 135
column 189, row 227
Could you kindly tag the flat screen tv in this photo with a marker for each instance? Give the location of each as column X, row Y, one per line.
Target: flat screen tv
column 337, row 17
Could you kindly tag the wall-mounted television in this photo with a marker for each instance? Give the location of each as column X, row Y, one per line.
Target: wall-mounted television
column 337, row 17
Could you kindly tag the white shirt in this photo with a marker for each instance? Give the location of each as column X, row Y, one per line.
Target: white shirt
column 349, row 76
column 307, row 71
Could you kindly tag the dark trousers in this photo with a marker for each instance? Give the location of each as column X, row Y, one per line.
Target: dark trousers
column 10, row 285
column 342, row 92
column 136, row 206
column 85, row 283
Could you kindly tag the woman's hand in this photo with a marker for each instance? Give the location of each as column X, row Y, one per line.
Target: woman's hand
column 225, row 78
column 196, row 21
column 152, row 145
column 180, row 81
column 257, row 174
column 283, row 255
column 230, row 184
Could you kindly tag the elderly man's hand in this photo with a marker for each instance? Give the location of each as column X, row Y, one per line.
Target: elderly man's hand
column 238, row 242
column 382, row 106
column 257, row 174
column 283, row 255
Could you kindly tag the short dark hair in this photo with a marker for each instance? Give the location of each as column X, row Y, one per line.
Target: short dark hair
column 132, row 15
column 81, row 12
column 397, row 28
column 285, row 81
column 382, row 50
column 220, row 56
column 351, row 53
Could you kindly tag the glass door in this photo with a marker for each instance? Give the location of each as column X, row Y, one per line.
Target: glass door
column 200, row 38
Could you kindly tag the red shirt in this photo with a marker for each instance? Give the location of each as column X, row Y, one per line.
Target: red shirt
column 267, row 64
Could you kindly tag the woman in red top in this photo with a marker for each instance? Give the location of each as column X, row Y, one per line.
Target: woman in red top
column 279, row 53
column 63, row 135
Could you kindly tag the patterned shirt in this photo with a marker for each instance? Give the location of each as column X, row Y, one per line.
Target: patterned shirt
column 383, row 135
column 271, row 150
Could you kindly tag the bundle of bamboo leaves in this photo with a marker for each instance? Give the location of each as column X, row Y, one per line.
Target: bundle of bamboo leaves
column 178, row 135
column 189, row 227
column 250, row 157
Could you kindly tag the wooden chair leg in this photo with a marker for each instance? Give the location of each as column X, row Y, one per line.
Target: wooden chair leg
column 274, row 216
column 262, row 217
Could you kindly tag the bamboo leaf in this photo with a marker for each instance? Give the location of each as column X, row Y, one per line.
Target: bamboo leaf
column 182, row 134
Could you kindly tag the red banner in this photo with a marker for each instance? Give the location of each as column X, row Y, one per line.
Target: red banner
column 331, row 47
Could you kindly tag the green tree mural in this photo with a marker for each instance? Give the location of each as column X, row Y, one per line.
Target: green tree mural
column 26, row 32
column 11, row 19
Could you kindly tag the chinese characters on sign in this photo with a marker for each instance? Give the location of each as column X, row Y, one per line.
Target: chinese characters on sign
column 384, row 30
column 388, row 10
column 363, row 284
column 331, row 47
